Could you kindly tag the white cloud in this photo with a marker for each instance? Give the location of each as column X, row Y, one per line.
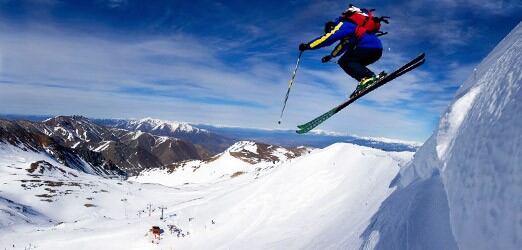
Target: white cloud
column 116, row 3
column 53, row 72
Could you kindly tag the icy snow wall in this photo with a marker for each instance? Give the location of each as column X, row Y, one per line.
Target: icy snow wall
column 475, row 157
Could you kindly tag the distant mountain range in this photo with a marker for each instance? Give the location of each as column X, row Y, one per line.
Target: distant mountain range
column 38, row 137
column 316, row 139
column 218, row 138
column 118, row 147
column 201, row 138
column 84, row 145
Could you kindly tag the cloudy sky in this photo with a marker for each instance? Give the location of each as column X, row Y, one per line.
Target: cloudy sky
column 228, row 62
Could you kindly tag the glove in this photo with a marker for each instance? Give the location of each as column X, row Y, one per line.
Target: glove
column 328, row 27
column 326, row 59
column 303, row 47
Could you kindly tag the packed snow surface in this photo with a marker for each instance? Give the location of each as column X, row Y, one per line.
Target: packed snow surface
column 321, row 200
column 247, row 145
column 475, row 155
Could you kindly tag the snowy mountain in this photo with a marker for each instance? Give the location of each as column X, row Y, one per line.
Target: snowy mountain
column 71, row 131
column 319, row 200
column 160, row 127
column 100, row 149
column 212, row 142
column 219, row 138
column 29, row 136
column 251, row 193
column 464, row 185
column 242, row 158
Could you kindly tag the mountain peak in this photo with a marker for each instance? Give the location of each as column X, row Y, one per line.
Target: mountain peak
column 151, row 124
column 250, row 146
column 68, row 118
column 256, row 152
column 212, row 142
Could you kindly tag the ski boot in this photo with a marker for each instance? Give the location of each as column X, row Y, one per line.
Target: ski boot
column 367, row 82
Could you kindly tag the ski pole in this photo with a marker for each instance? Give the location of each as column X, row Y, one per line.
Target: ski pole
column 290, row 83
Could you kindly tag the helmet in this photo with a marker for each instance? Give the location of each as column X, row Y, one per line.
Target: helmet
column 352, row 9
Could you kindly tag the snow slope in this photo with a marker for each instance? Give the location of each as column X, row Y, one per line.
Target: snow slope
column 321, row 201
column 50, row 206
column 242, row 158
column 473, row 162
column 324, row 199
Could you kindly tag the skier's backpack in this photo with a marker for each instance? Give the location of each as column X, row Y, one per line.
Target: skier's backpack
column 365, row 21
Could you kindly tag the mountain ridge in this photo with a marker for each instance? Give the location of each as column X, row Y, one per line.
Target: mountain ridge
column 286, row 138
column 100, row 147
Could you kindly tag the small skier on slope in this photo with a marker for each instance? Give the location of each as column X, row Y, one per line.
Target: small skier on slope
column 356, row 30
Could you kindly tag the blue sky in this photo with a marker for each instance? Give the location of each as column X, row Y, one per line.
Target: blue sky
column 228, row 62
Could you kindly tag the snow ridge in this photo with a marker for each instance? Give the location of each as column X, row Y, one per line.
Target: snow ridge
column 151, row 124
column 244, row 158
column 451, row 121
column 475, row 154
column 250, row 146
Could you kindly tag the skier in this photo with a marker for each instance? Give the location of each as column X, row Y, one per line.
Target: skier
column 356, row 30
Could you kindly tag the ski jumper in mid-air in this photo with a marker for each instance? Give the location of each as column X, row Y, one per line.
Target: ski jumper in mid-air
column 356, row 30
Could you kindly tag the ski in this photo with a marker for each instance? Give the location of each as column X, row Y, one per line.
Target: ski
column 418, row 61
column 402, row 70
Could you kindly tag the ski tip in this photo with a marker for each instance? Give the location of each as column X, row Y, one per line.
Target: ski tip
column 301, row 131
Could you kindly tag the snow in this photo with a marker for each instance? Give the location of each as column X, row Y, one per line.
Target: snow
column 137, row 135
column 335, row 194
column 76, row 144
column 473, row 158
column 195, row 172
column 390, row 140
column 85, row 138
column 451, row 121
column 103, row 146
column 64, row 132
column 280, row 153
column 328, row 133
column 221, row 168
column 157, row 124
column 243, row 145
column 162, row 139
column 12, row 213
column 322, row 189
